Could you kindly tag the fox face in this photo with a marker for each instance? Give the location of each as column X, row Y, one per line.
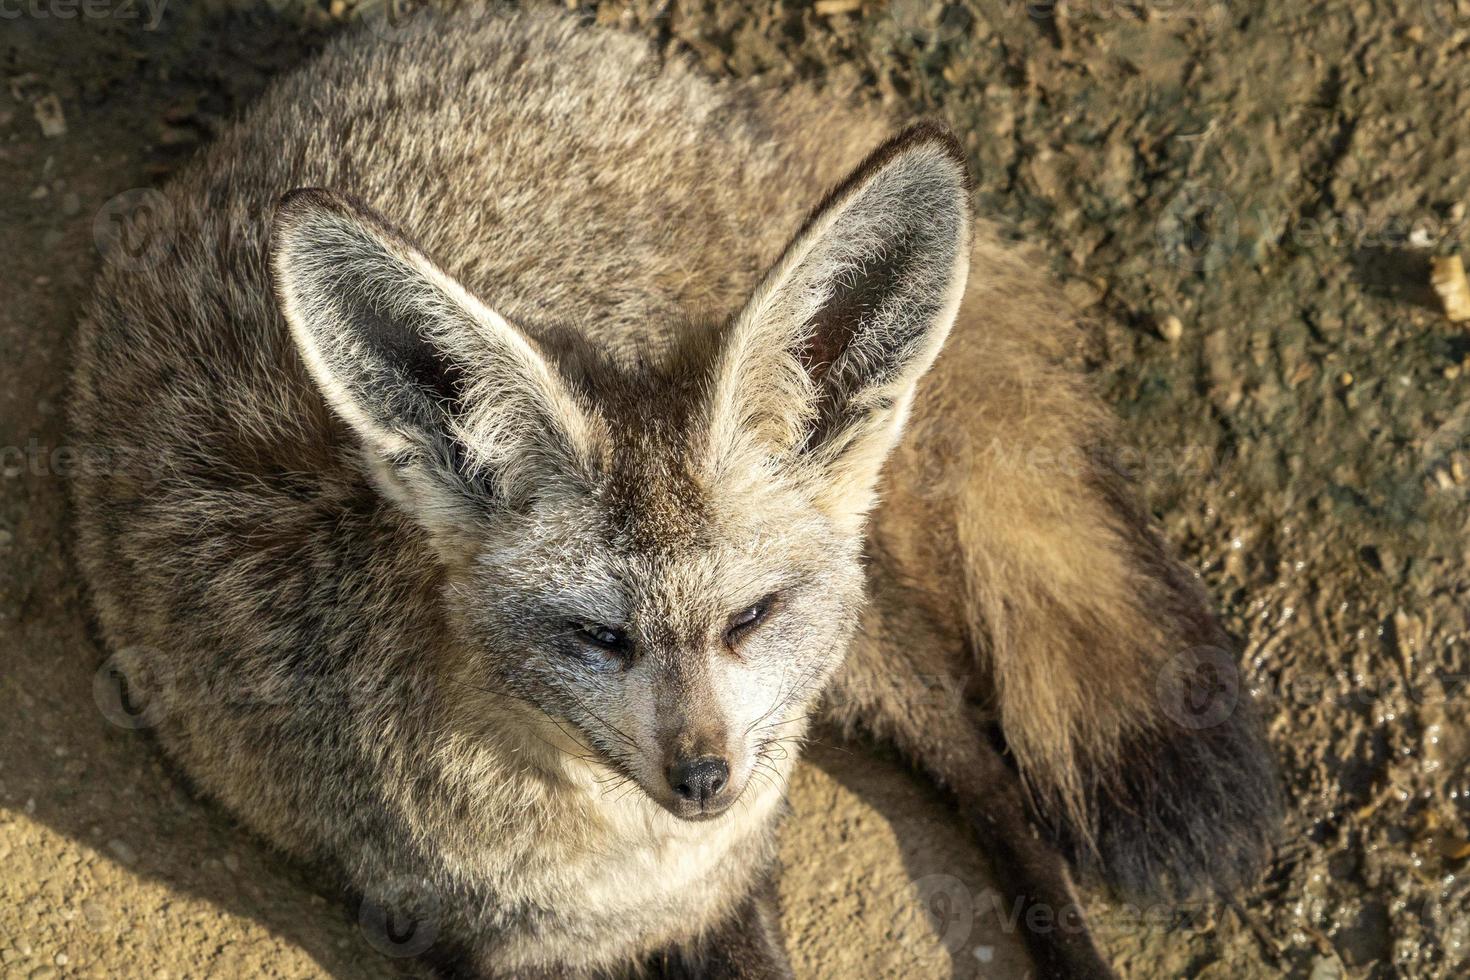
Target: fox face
column 658, row 551
column 679, row 629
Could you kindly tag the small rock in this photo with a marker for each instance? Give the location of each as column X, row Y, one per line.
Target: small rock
column 95, row 914
column 1171, row 328
column 40, row 193
column 43, row 973
column 122, row 851
column 1346, row 378
column 1081, row 293
column 1448, row 279
column 232, row 864
column 50, row 115
column 1326, row 968
column 177, row 136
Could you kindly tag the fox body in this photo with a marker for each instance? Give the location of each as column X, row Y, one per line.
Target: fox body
column 516, row 497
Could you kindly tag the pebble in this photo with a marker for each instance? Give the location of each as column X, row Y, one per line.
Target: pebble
column 122, row 851
column 1326, row 968
column 1171, row 328
column 1081, row 293
column 95, row 914
column 232, row 864
column 51, row 117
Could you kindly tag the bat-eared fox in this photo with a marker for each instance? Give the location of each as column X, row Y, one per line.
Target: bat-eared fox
column 541, row 436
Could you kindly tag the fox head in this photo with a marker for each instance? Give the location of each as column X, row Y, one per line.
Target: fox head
column 662, row 555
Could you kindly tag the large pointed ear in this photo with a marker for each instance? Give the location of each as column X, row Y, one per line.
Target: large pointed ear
column 820, row 367
column 455, row 406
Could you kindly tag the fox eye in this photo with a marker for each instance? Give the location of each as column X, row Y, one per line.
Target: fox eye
column 748, row 619
column 608, row 638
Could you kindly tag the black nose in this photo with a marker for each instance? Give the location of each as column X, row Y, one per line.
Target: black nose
column 699, row 779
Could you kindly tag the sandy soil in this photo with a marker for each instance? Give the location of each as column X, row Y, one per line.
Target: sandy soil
column 1276, row 176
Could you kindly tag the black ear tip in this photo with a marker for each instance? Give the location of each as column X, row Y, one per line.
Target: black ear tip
column 935, row 131
column 307, row 208
column 928, row 132
column 302, row 200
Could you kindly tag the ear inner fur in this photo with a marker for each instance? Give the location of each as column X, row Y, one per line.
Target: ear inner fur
column 821, row 364
column 425, row 373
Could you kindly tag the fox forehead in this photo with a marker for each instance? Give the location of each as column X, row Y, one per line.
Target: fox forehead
column 670, row 566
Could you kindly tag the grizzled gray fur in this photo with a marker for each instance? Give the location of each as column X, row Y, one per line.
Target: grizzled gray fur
column 539, row 436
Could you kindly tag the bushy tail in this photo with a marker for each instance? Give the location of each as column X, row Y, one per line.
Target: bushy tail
column 1116, row 688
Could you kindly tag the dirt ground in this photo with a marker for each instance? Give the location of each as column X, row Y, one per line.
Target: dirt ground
column 1274, row 176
